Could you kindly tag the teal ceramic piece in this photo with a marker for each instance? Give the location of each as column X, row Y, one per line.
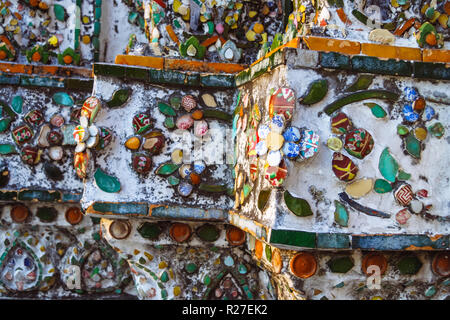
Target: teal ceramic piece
column 63, row 99
column 106, row 182
column 388, row 166
column 60, row 12
column 17, row 104
column 166, row 109
column 340, row 214
column 431, row 291
column 376, row 110
column 341, row 265
column 382, row 186
column 4, row 124
column 402, row 175
column 166, row 169
column 119, row 97
column 317, row 91
column 164, row 277
column 6, row 149
column 413, row 146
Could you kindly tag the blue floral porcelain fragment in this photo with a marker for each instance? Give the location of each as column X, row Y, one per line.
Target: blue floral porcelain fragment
column 428, row 114
column 185, row 189
column 199, row 166
column 409, row 114
column 263, row 131
column 411, row 94
column 291, row 134
column 291, row 150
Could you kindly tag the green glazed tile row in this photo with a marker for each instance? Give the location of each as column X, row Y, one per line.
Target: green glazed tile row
column 303, row 239
column 39, row 195
column 167, row 77
column 36, row 81
column 422, row 70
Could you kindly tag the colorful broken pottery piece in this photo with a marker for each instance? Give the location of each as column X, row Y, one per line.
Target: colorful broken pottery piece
column 56, row 153
column 334, row 144
column 177, row 156
column 166, row 169
column 358, row 143
column 4, row 124
column 22, row 134
column 119, row 229
column 209, row 100
column 274, row 141
column 192, row 48
column 404, row 194
column 292, row 134
column 343, row 167
column 409, row 114
column 376, row 110
column 428, row 113
column 340, row 214
column 309, row 144
column 142, row 163
column 105, row 138
column 200, row 128
column 303, row 265
column 420, row 133
column 184, row 122
column 90, row 108
column 185, row 171
column 80, row 134
column 106, row 182
column 6, row 149
column 81, row 161
column 165, row 109
column 54, row 138
column 43, row 134
column 422, row 193
column 142, row 123
column 388, row 166
column 299, row 207
column 282, row 102
column 230, row 52
column 30, row 155
column 199, row 166
column 133, row 143
column 359, row 188
column 276, row 175
column 57, row 121
column 63, row 99
column 291, row 150
column 341, row 124
column 274, row 158
column 185, row 189
column 34, row 117
column 154, row 142
column 188, row 102
column 355, row 205
column 402, row 216
column 382, row 186
column 119, row 97
column 263, row 131
column 437, row 130
column 419, row 105
column 362, row 83
column 316, row 92
column 17, row 104
column 416, row 206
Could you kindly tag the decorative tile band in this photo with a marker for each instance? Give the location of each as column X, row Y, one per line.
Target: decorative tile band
column 250, row 226
column 187, row 213
column 39, row 195
column 118, row 208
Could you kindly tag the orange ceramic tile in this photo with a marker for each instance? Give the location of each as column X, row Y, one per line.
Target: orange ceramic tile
column 390, row 52
column 15, row 68
column 343, row 16
column 143, row 61
column 210, row 41
column 172, row 34
column 333, row 45
column 435, row 55
column 45, row 70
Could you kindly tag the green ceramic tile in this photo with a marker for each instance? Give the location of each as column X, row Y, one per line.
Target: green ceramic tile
column 334, row 60
column 167, row 77
column 8, row 195
column 41, row 195
column 71, row 197
column 430, row 70
column 293, row 238
column 79, row 84
column 121, row 208
column 243, row 77
column 218, row 80
column 193, row 79
column 4, row 79
column 375, row 65
column 41, row 82
column 333, row 241
column 109, row 70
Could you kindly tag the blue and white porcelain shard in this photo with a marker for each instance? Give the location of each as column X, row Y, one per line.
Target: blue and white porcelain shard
column 277, row 123
column 263, row 131
column 309, row 144
column 291, row 134
column 411, row 94
column 428, row 113
column 185, row 189
column 274, row 158
column 261, row 148
column 409, row 114
column 185, row 170
column 291, row 150
column 199, row 166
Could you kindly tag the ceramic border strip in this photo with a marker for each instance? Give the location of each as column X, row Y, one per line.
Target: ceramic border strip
column 40, row 196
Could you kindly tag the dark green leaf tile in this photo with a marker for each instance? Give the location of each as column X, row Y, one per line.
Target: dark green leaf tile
column 375, row 65
column 293, row 238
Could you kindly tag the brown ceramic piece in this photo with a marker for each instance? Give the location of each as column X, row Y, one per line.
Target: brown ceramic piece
column 180, row 232
column 303, row 265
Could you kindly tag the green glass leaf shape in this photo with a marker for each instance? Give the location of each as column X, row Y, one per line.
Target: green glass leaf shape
column 388, row 166
column 268, row 251
column 119, row 97
column 412, row 146
column 299, row 207
column 340, row 214
column 341, row 265
column 17, row 104
column 217, row 114
column 208, row 233
column 362, row 83
column 173, row 181
column 63, row 99
column 60, row 12
column 175, row 102
column 106, row 182
column 213, row 188
column 166, row 169
column 6, row 149
column 382, row 186
column 166, row 109
column 359, row 96
column 402, row 130
column 402, row 175
column 4, row 124
column 169, row 122
column 263, row 198
column 247, row 189
column 316, row 92
column 149, row 230
column 376, row 110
